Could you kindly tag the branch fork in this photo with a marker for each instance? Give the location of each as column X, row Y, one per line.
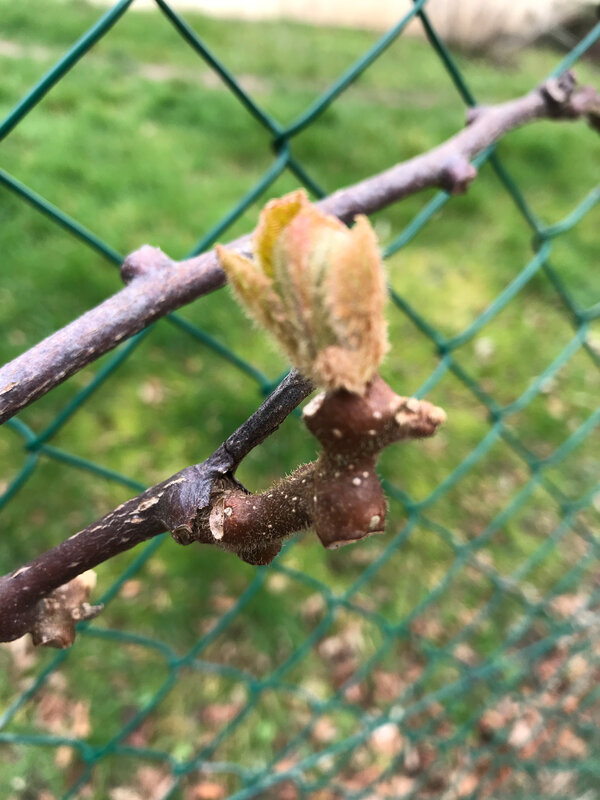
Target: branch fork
column 339, row 494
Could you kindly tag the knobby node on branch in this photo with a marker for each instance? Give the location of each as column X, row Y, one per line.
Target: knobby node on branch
column 319, row 288
column 157, row 285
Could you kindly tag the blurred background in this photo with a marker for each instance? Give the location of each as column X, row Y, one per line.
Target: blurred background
column 470, row 24
column 457, row 656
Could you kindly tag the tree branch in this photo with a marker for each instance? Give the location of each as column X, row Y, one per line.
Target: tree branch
column 170, row 505
column 157, row 285
column 339, row 494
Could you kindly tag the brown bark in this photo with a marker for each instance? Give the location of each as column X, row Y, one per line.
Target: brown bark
column 171, row 505
column 339, row 494
column 158, row 285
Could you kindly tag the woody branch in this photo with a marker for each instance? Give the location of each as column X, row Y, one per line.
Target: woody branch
column 157, row 285
column 354, row 419
column 320, row 289
column 339, row 495
column 172, row 505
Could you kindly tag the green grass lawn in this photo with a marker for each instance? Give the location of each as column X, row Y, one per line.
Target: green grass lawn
column 141, row 142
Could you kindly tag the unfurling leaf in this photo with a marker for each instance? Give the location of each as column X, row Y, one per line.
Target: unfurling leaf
column 319, row 288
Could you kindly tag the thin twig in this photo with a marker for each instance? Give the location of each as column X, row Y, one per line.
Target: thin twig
column 158, row 285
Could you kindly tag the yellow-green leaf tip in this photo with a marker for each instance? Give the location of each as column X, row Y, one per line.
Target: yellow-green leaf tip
column 318, row 287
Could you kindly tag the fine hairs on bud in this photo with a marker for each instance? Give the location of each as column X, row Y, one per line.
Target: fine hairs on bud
column 319, row 288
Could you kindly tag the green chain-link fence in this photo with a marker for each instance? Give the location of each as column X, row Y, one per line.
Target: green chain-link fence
column 421, row 711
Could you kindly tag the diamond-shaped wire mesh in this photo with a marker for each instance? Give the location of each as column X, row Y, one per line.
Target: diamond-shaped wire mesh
column 472, row 671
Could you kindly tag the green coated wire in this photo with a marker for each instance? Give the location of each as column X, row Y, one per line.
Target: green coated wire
column 62, row 417
column 59, row 217
column 60, row 69
column 198, row 45
column 502, row 670
column 518, row 502
column 572, row 219
column 452, row 689
column 351, row 75
column 501, row 300
column 576, row 52
column 19, row 480
column 270, row 176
